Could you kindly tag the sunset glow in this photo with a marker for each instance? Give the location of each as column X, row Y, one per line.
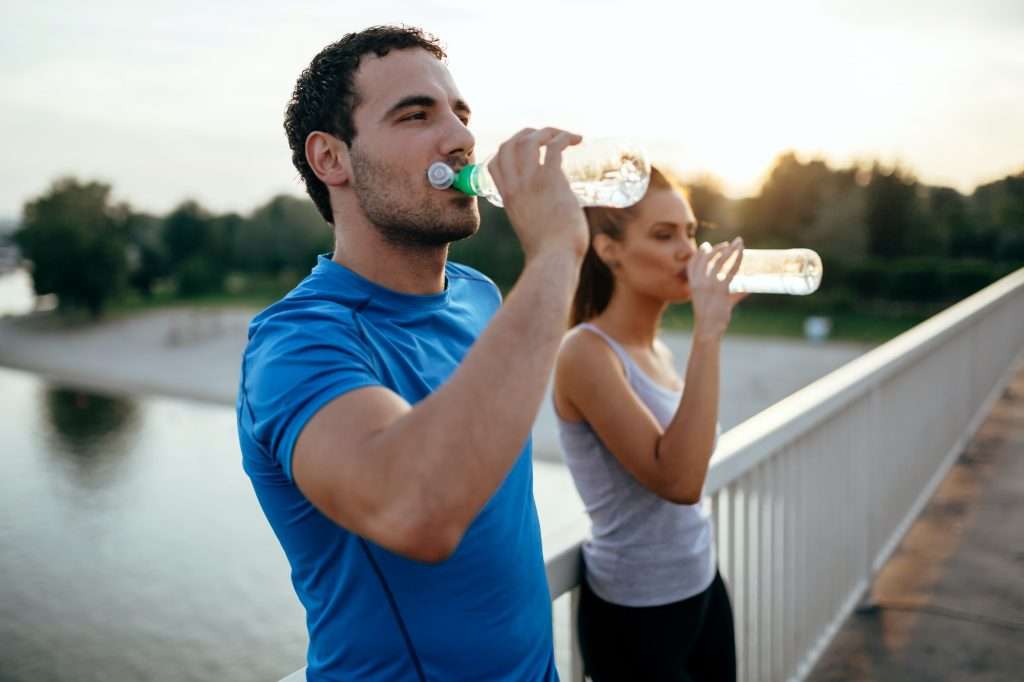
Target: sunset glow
column 168, row 103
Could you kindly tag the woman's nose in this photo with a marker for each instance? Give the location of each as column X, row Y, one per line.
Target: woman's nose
column 686, row 249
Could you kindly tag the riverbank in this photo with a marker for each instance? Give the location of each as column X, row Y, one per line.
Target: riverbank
column 179, row 352
column 195, row 353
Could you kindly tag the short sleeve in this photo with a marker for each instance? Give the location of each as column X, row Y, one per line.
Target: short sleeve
column 293, row 367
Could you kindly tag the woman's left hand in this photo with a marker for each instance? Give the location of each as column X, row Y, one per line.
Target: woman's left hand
column 709, row 286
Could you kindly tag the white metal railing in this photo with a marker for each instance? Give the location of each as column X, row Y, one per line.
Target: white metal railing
column 811, row 496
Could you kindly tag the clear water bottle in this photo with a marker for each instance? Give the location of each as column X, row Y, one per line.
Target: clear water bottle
column 776, row 271
column 604, row 172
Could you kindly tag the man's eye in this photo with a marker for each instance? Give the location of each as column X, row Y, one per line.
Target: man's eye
column 417, row 116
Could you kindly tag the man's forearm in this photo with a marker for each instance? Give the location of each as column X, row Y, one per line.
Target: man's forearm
column 459, row 444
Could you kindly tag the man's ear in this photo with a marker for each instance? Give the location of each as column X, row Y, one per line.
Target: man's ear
column 329, row 158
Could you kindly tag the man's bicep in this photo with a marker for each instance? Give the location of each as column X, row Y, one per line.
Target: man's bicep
column 333, row 465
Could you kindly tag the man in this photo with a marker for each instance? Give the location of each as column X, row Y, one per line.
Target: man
column 386, row 432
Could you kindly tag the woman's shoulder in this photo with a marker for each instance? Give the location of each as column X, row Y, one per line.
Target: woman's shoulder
column 586, row 354
column 586, row 366
column 581, row 344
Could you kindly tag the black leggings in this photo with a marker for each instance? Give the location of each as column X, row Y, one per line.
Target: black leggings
column 686, row 641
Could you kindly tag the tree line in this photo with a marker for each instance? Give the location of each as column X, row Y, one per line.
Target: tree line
column 90, row 251
column 884, row 238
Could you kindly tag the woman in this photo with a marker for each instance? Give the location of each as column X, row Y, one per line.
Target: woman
column 638, row 439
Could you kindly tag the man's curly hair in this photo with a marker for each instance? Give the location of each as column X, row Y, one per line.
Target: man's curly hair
column 325, row 95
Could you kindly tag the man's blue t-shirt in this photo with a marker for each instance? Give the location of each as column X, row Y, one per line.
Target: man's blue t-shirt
column 485, row 613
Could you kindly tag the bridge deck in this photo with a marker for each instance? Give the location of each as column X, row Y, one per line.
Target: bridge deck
column 949, row 604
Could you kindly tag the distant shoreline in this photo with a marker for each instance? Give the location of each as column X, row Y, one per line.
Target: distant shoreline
column 174, row 352
column 195, row 354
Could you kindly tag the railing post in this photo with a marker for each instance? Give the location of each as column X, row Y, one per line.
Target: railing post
column 575, row 658
column 868, row 497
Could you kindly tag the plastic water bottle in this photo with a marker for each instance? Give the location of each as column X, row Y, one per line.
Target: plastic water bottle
column 604, row 172
column 776, row 271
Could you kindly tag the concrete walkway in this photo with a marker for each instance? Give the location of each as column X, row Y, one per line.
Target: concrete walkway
column 949, row 604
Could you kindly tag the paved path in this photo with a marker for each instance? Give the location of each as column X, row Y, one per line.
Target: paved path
column 949, row 604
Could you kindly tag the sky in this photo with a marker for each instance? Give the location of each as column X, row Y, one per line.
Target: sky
column 184, row 100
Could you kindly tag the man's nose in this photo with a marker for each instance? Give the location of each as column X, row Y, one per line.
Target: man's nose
column 458, row 140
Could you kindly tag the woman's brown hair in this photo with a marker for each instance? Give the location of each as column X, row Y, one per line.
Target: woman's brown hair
column 597, row 282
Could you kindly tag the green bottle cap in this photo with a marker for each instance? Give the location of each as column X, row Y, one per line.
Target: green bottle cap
column 464, row 180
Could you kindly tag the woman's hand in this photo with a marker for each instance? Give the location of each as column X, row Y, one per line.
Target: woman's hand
column 709, row 287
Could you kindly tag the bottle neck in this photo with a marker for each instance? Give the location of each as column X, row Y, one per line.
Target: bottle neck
column 466, row 180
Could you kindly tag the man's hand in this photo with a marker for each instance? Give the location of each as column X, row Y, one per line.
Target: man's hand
column 543, row 210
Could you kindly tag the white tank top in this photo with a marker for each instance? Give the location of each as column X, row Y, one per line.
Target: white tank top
column 645, row 550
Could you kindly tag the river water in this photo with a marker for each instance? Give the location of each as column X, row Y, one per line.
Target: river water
column 132, row 546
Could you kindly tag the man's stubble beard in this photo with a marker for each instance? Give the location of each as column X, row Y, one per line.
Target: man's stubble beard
column 388, row 200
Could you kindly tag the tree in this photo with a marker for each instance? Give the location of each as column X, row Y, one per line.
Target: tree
column 789, row 201
column 285, row 234
column 494, row 250
column 997, row 211
column 198, row 255
column 1010, row 243
column 76, row 240
column 147, row 260
column 947, row 213
column 838, row 231
column 707, row 200
column 893, row 214
column 807, row 205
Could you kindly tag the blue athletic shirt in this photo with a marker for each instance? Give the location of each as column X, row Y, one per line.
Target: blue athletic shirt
column 483, row 614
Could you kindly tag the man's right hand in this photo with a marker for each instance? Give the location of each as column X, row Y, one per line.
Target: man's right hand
column 542, row 208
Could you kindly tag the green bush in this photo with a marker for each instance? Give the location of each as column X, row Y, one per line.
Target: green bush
column 963, row 278
column 923, row 280
column 868, row 279
column 198, row 275
column 916, row 279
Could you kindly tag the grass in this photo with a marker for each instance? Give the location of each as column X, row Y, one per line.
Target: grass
column 241, row 292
